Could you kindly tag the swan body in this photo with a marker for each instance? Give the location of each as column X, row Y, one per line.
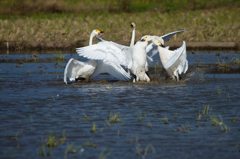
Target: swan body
column 77, row 69
column 175, row 62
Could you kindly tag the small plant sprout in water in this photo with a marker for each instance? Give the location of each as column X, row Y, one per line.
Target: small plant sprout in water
column 85, row 118
column 219, row 91
column 165, row 120
column 234, row 120
column 52, row 142
column 93, row 128
column 102, row 154
column 185, row 128
column 140, row 117
column 58, row 57
column 88, row 144
column 42, row 151
column 72, row 149
column 216, row 122
column 149, row 124
column 229, row 97
column 114, row 118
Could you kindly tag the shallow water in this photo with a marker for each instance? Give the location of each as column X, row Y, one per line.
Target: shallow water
column 35, row 102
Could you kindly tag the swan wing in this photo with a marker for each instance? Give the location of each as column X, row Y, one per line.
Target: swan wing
column 113, row 69
column 106, row 51
column 71, row 69
column 178, row 60
column 166, row 37
column 152, row 50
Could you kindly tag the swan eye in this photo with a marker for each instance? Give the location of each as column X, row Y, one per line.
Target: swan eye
column 98, row 31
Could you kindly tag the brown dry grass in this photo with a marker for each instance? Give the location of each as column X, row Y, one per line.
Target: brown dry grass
column 213, row 25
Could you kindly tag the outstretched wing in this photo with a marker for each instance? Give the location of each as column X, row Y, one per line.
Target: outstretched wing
column 166, row 37
column 113, row 69
column 152, row 49
column 107, row 51
column 179, row 60
column 71, row 69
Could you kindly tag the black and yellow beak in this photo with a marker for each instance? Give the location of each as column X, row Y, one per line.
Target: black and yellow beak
column 100, row 32
column 132, row 25
column 160, row 44
column 143, row 39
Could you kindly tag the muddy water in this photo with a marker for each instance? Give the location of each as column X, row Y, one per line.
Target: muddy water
column 167, row 118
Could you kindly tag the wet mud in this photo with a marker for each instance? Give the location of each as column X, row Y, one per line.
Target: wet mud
column 197, row 117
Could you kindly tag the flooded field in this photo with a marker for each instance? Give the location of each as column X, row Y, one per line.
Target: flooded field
column 43, row 117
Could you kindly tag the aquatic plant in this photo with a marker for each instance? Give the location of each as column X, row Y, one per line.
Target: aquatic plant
column 216, row 122
column 146, row 149
column 85, row 118
column 140, row 116
column 234, row 120
column 114, row 118
column 88, row 144
column 72, row 149
column 234, row 61
column 93, row 128
column 102, row 154
column 219, row 91
column 58, row 57
column 149, row 124
column 42, row 151
column 185, row 128
column 52, row 141
column 165, row 120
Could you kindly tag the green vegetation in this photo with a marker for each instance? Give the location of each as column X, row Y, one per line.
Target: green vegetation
column 114, row 118
column 93, row 128
column 216, row 122
column 66, row 21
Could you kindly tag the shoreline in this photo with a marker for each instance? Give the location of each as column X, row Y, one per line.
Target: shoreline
column 71, row 46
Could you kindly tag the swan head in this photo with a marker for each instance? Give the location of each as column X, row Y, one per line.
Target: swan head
column 133, row 25
column 97, row 32
column 146, row 38
column 158, row 41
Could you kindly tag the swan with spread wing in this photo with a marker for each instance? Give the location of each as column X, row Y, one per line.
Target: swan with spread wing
column 77, row 69
column 175, row 62
column 133, row 58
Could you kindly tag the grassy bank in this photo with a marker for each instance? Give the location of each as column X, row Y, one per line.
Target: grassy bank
column 202, row 25
column 72, row 21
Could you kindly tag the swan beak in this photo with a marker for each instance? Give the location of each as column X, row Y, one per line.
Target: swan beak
column 160, row 44
column 132, row 25
column 101, row 32
column 144, row 39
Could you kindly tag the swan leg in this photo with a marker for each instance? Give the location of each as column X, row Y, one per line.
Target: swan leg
column 147, row 78
column 88, row 78
column 177, row 78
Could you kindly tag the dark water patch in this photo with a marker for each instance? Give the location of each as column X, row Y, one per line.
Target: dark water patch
column 37, row 103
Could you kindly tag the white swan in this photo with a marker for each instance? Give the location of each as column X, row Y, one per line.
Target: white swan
column 133, row 58
column 77, row 69
column 175, row 62
column 152, row 49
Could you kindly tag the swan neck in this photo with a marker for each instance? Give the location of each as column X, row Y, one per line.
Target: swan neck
column 133, row 37
column 91, row 39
